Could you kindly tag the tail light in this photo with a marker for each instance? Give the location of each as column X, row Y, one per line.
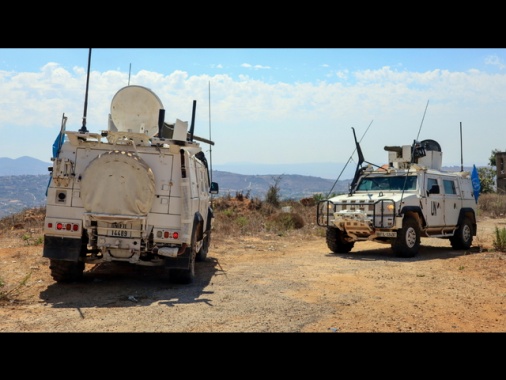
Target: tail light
column 62, row 226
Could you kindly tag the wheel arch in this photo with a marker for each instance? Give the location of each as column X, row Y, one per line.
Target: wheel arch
column 468, row 212
column 210, row 216
column 198, row 226
column 415, row 212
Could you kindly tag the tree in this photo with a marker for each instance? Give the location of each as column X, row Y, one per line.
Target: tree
column 488, row 174
column 273, row 197
column 491, row 159
column 487, row 179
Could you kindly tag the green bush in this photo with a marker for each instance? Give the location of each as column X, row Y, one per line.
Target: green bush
column 500, row 239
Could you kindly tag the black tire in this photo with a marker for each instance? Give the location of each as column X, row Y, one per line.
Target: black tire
column 66, row 271
column 463, row 238
column 336, row 242
column 407, row 243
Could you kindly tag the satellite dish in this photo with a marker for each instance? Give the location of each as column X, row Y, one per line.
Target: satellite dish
column 135, row 109
column 431, row 145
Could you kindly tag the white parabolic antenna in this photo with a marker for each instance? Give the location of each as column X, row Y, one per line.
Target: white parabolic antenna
column 136, row 109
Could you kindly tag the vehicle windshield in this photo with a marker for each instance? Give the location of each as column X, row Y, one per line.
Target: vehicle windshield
column 395, row 183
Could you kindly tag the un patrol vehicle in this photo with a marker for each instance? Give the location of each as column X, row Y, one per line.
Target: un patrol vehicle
column 138, row 192
column 399, row 203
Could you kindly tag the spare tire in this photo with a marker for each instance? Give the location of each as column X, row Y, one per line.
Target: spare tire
column 118, row 183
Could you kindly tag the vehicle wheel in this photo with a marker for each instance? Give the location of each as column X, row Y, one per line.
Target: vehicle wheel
column 407, row 243
column 202, row 253
column 66, row 271
column 463, row 237
column 336, row 242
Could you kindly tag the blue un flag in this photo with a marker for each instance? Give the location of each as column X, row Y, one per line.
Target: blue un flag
column 476, row 183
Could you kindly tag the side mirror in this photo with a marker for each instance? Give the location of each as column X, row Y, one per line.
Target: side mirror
column 215, row 189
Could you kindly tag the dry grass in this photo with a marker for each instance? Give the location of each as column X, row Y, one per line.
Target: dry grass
column 492, row 205
column 241, row 216
column 25, row 225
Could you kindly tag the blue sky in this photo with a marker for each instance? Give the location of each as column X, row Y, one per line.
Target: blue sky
column 269, row 106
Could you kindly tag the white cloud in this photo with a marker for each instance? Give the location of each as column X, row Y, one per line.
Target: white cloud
column 255, row 67
column 494, row 60
column 279, row 122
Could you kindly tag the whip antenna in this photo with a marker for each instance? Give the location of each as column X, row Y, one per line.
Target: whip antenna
column 210, row 146
column 83, row 128
column 349, row 159
column 424, row 112
column 461, row 151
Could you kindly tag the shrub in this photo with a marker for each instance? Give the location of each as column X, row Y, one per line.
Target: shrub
column 285, row 221
column 500, row 239
column 273, row 193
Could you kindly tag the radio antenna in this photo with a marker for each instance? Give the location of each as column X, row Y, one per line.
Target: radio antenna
column 461, row 151
column 83, row 128
column 424, row 112
column 129, row 71
column 210, row 146
column 349, row 159
column 417, row 150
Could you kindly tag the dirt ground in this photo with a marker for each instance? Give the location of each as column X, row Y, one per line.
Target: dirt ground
column 267, row 284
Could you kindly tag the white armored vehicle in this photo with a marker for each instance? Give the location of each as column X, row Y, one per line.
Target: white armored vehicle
column 138, row 192
column 401, row 202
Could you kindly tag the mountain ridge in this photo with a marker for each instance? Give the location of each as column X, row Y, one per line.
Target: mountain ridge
column 24, row 165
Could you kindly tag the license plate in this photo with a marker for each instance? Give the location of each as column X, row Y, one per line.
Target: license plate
column 391, row 234
column 119, row 230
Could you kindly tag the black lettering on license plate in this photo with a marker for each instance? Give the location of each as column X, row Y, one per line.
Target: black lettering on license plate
column 392, row 234
column 119, row 233
column 119, row 230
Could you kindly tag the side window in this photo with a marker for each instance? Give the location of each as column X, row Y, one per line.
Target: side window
column 449, row 187
column 432, row 186
column 204, row 187
column 194, row 177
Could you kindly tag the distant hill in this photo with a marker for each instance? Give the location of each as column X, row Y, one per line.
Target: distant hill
column 22, row 191
column 23, row 166
column 327, row 170
column 291, row 186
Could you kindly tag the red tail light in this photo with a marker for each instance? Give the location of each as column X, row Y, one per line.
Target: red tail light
column 64, row 227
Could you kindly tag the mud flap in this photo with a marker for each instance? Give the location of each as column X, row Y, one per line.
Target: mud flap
column 60, row 248
column 181, row 262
